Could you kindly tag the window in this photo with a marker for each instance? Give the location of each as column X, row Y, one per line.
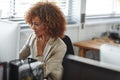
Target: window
column 4, row 8
column 117, row 6
column 17, row 8
column 102, row 8
column 22, row 5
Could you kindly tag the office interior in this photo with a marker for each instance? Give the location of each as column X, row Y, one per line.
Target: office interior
column 87, row 20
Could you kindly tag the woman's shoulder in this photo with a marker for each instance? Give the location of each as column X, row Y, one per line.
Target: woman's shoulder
column 58, row 41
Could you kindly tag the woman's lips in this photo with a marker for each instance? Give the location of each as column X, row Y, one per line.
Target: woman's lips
column 37, row 34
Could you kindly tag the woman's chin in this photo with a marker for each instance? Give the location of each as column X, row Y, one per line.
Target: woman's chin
column 36, row 35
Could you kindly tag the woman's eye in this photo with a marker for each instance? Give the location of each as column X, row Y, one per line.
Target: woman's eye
column 36, row 24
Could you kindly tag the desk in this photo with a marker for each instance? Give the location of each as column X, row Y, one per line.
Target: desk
column 92, row 45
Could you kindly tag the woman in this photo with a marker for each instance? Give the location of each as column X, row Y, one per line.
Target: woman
column 45, row 44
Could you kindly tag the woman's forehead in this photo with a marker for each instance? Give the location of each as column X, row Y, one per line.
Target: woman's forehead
column 36, row 18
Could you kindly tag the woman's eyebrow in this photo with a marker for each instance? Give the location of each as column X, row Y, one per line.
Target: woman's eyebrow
column 36, row 22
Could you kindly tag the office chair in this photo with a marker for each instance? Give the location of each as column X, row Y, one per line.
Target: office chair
column 69, row 50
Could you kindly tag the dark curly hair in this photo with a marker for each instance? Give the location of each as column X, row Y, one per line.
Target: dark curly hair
column 50, row 15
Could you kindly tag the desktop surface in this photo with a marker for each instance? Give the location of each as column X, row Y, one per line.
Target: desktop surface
column 92, row 45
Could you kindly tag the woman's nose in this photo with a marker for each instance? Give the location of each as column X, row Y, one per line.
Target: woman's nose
column 33, row 26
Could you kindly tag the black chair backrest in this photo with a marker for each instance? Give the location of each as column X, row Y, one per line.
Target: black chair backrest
column 69, row 45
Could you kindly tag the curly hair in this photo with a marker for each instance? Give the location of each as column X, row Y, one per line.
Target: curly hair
column 50, row 15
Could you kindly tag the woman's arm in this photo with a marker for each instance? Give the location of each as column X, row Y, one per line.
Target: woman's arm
column 25, row 51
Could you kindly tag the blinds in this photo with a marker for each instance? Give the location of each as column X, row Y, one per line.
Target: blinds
column 63, row 4
column 17, row 8
column 22, row 5
column 74, row 10
column 66, row 6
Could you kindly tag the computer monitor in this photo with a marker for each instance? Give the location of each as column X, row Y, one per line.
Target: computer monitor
column 28, row 69
column 8, row 40
column 79, row 68
column 3, row 71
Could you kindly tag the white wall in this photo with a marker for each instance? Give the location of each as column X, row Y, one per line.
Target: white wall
column 76, row 33
column 91, row 31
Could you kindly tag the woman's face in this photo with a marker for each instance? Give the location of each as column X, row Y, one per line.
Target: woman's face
column 38, row 26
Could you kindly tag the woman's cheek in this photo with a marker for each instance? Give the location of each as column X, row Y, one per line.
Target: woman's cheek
column 40, row 33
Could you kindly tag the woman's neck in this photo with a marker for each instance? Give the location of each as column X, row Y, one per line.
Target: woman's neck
column 47, row 37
